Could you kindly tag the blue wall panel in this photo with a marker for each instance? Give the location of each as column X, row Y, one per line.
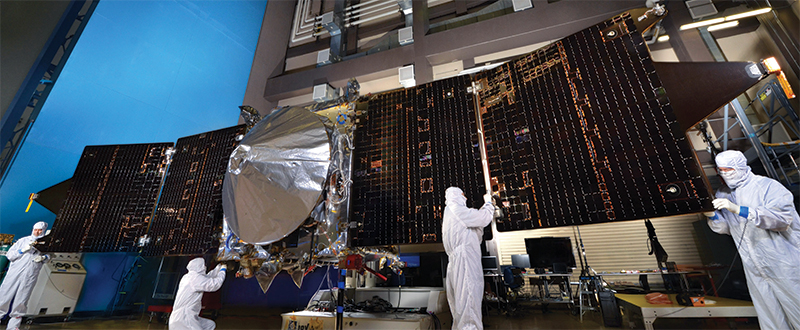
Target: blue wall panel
column 143, row 71
column 104, row 271
column 283, row 293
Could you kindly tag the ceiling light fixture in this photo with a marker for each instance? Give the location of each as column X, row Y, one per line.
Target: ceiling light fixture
column 702, row 23
column 723, row 26
column 730, row 18
column 748, row 14
column 771, row 64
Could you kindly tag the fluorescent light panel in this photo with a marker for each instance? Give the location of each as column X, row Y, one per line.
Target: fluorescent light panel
column 663, row 38
column 723, row 26
column 702, row 23
column 748, row 14
column 725, row 19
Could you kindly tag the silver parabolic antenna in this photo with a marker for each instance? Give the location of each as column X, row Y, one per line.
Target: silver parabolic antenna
column 275, row 176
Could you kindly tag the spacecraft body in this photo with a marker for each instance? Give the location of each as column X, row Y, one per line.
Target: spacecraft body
column 580, row 131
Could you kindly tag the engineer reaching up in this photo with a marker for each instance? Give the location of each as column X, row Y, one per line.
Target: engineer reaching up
column 462, row 233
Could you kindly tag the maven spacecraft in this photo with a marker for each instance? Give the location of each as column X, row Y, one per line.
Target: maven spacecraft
column 587, row 129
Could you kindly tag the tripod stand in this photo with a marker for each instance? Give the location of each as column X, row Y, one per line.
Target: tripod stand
column 589, row 282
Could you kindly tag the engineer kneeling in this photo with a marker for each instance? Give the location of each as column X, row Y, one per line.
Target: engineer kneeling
column 188, row 301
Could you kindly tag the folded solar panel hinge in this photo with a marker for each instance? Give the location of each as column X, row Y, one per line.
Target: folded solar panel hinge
column 168, row 155
column 143, row 240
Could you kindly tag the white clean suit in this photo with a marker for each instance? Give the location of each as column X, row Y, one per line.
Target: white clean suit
column 188, row 300
column 758, row 212
column 26, row 261
column 462, row 233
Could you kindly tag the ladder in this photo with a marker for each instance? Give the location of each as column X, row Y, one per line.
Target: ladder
column 167, row 278
column 128, row 285
column 589, row 282
column 781, row 151
column 588, row 299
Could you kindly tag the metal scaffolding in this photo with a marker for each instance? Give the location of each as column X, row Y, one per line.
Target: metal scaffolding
column 776, row 142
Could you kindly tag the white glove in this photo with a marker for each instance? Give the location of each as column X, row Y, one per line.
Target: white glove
column 709, row 214
column 28, row 247
column 487, row 198
column 724, row 203
column 40, row 258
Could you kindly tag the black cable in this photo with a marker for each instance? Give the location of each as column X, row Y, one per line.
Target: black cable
column 399, row 294
column 437, row 322
column 724, row 278
column 705, row 292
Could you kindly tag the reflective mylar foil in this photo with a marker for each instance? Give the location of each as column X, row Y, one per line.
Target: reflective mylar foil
column 276, row 175
column 331, row 236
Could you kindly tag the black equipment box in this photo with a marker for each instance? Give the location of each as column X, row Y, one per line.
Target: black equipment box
column 609, row 308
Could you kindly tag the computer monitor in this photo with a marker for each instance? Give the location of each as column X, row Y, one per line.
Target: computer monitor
column 411, row 260
column 544, row 252
column 426, row 269
column 489, row 263
column 521, row 260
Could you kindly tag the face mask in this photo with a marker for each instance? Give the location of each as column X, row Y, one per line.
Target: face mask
column 731, row 177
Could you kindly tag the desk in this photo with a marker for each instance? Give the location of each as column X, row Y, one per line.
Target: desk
column 637, row 306
column 564, row 296
column 642, row 273
column 643, row 278
column 327, row 320
column 402, row 297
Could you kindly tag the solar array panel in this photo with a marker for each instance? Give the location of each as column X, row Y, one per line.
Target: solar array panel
column 111, row 199
column 411, row 145
column 189, row 215
column 582, row 131
column 578, row 132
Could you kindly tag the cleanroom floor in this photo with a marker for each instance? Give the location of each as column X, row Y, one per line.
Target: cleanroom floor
column 529, row 318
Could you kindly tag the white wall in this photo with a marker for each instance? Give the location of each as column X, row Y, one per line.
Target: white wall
column 664, row 55
column 614, row 246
